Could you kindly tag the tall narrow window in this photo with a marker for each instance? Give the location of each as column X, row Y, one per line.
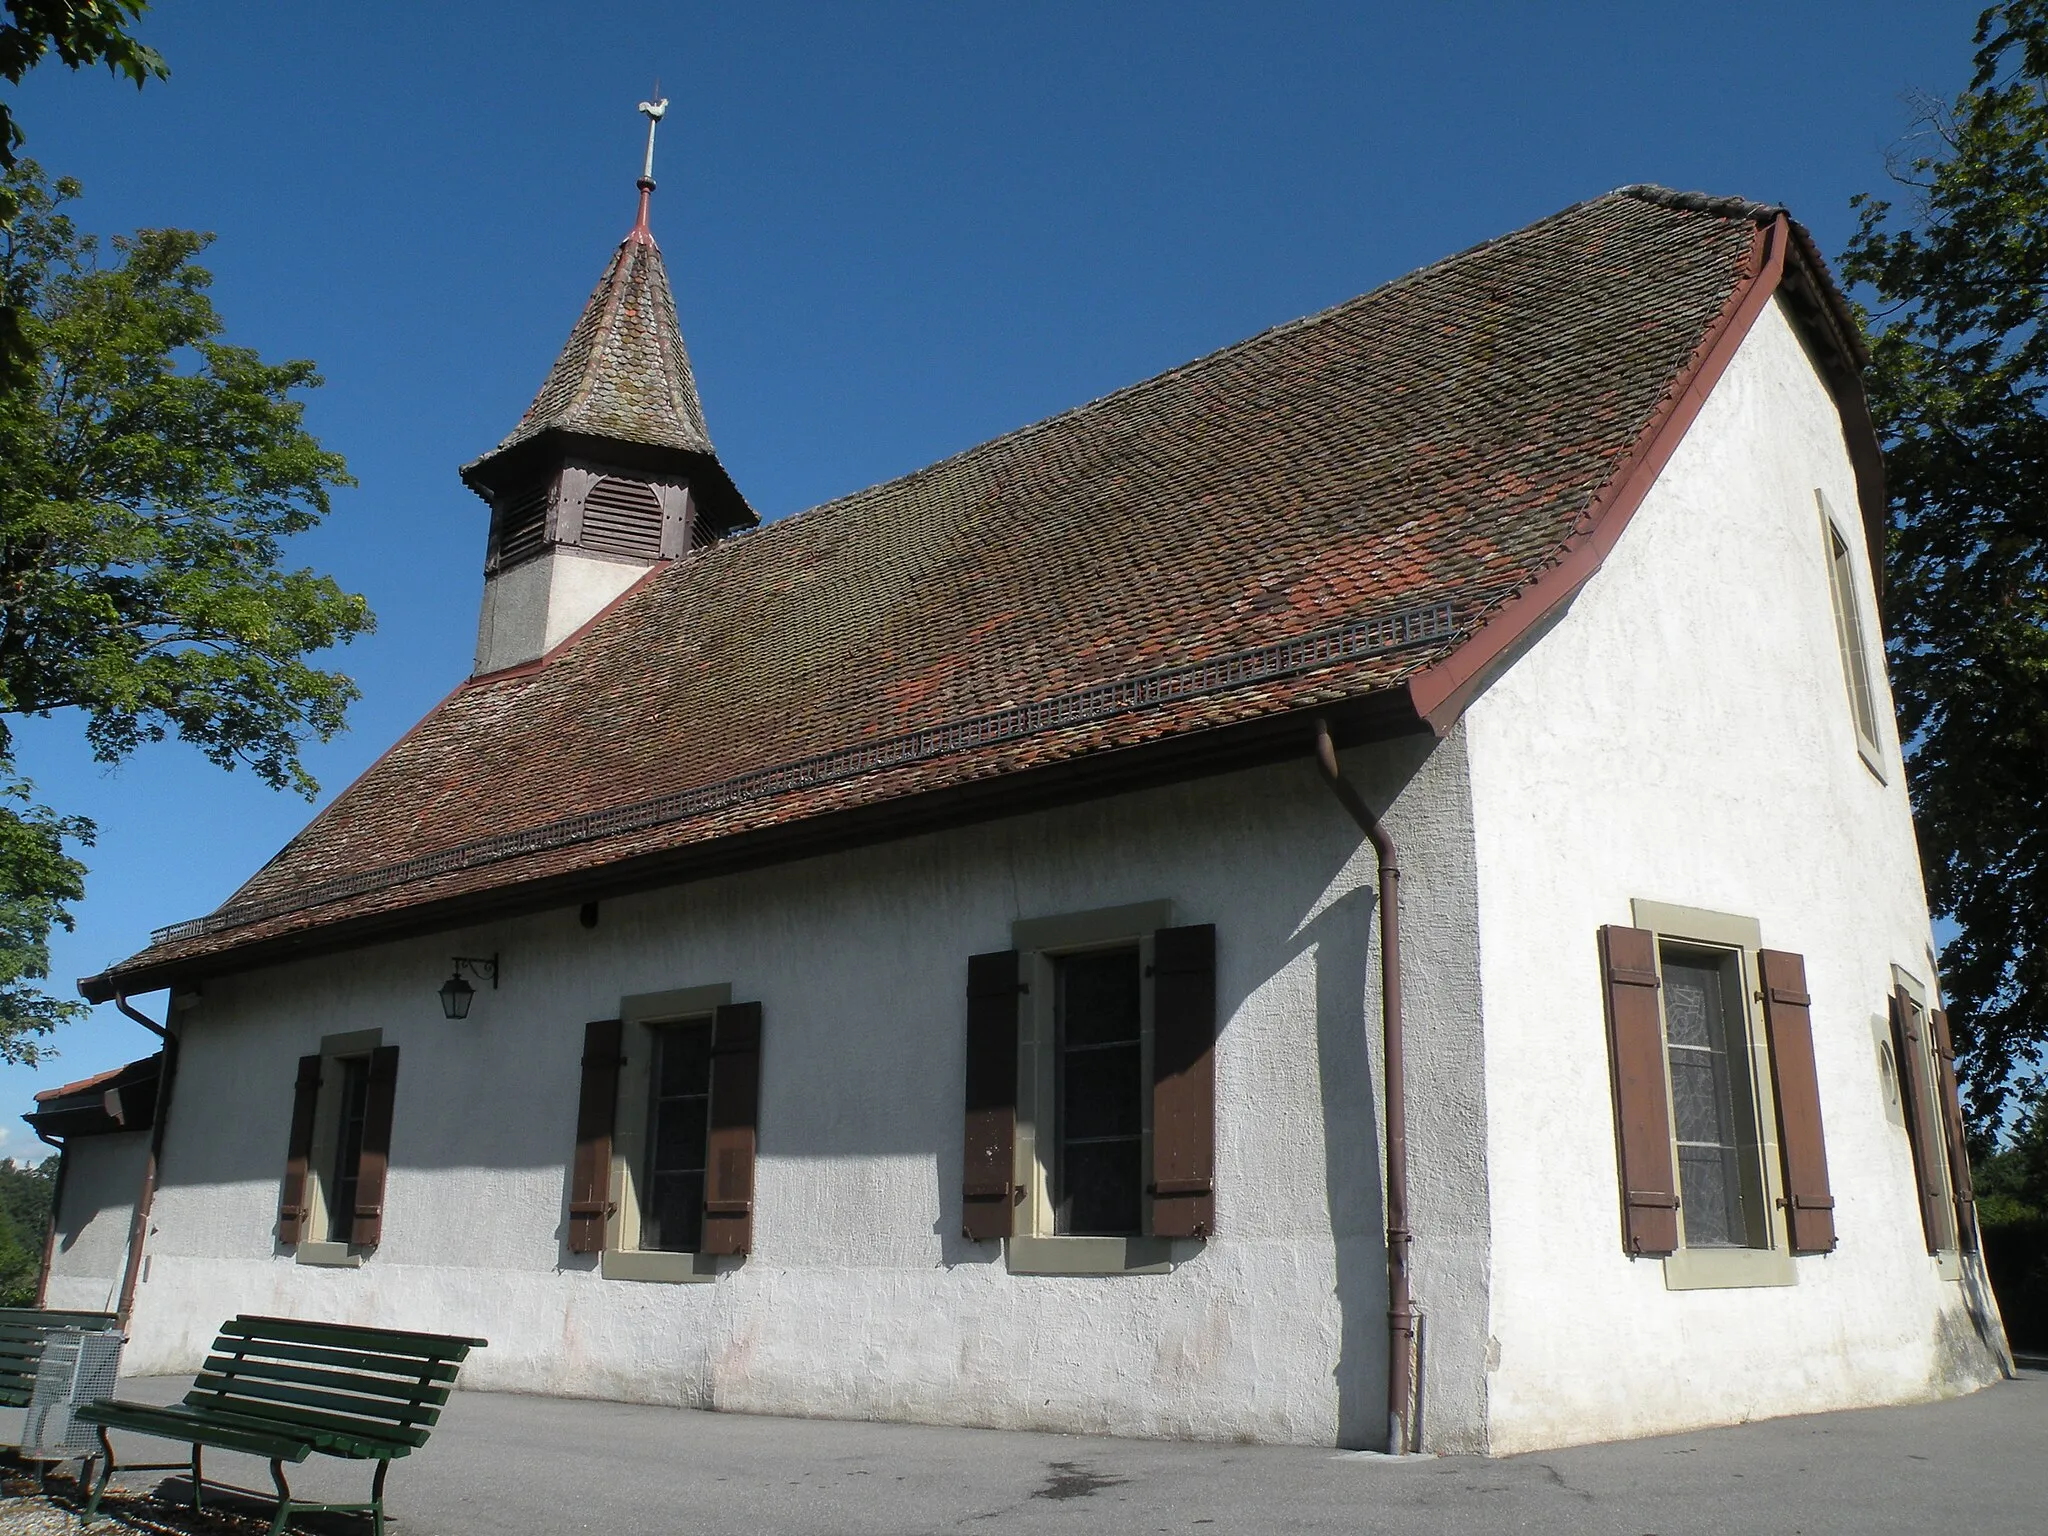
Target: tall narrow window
column 1720, row 1176
column 348, row 1147
column 678, row 1120
column 1098, row 1177
column 1850, row 641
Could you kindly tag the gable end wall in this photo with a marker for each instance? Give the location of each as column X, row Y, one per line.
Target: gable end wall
column 1682, row 734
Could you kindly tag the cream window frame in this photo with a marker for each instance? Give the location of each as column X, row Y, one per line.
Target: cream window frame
column 1851, row 639
column 1717, row 1268
column 1037, row 1249
column 640, row 1016
column 1948, row 1254
column 353, row 1045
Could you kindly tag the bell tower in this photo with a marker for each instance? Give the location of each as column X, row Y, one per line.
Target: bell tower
column 611, row 469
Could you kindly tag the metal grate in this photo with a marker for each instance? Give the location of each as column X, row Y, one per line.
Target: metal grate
column 79, row 1366
column 1431, row 624
column 622, row 517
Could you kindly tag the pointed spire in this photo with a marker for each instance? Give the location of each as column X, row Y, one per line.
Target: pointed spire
column 623, row 377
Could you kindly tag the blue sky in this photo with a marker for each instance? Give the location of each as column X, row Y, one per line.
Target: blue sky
column 894, row 231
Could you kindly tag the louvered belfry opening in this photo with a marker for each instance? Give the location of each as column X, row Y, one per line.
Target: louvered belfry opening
column 519, row 525
column 622, row 517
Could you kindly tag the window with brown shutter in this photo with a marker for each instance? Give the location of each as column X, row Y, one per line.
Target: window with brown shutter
column 1809, row 1201
column 1958, row 1141
column 373, row 1151
column 590, row 1175
column 293, row 1211
column 988, row 1182
column 735, row 1115
column 1923, row 1124
column 1642, row 1112
column 1184, row 1081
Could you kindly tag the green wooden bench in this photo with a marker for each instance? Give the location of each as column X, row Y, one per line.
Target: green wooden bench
column 23, row 1333
column 282, row 1388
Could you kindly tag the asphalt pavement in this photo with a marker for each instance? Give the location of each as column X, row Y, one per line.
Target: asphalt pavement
column 503, row 1465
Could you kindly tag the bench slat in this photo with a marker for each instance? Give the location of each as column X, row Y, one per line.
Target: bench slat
column 332, row 1442
column 176, row 1424
column 340, row 1381
column 259, row 1393
column 389, row 1341
column 285, row 1416
column 412, row 1368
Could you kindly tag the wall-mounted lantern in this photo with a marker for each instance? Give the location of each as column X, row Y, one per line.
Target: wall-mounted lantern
column 456, row 993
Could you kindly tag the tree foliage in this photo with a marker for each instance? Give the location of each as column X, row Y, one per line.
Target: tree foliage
column 1957, row 270
column 78, row 32
column 153, row 475
column 26, row 1194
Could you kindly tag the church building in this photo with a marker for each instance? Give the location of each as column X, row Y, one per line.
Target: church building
column 1359, row 892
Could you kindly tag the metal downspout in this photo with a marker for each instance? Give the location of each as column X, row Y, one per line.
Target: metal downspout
column 138, row 1226
column 1400, row 1307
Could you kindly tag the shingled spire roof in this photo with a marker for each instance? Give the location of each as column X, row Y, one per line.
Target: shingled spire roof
column 622, row 388
column 624, row 373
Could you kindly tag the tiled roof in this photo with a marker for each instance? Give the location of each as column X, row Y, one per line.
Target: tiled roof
column 1311, row 516
column 623, row 374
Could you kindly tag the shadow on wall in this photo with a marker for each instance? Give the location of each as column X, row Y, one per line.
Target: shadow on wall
column 1351, row 1136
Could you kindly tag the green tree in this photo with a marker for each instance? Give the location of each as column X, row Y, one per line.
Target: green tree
column 78, row 32
column 1957, row 271
column 26, row 1193
column 152, row 476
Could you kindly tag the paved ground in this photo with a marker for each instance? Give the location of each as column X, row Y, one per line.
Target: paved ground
column 510, row 1466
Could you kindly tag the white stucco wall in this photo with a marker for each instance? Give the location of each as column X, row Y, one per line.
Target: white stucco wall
column 102, row 1176
column 536, row 605
column 860, row 1299
column 1683, row 735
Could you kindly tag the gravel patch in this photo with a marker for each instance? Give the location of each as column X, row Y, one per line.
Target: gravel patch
column 54, row 1511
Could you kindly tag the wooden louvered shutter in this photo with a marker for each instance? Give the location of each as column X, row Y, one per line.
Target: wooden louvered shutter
column 1921, row 1132
column 988, row 1188
column 372, row 1166
column 1642, row 1104
column 1958, row 1145
column 1795, row 1083
column 1184, row 1081
column 597, row 1108
column 298, row 1157
column 735, row 1121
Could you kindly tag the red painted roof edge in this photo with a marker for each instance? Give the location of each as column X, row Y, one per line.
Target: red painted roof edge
column 1441, row 692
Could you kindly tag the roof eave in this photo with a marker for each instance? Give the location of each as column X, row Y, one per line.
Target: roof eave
column 1379, row 715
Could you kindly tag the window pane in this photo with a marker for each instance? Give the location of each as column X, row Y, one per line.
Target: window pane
column 1102, row 1188
column 348, row 1148
column 1100, row 1113
column 1100, row 994
column 1719, row 1177
column 1102, row 1097
column 672, row 1217
column 678, row 1118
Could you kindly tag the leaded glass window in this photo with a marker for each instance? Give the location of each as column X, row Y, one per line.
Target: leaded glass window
column 1720, row 1178
column 1097, row 1176
column 678, row 1124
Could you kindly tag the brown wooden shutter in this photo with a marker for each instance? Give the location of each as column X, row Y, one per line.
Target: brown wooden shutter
column 1642, row 1104
column 1184, row 1081
column 291, row 1208
column 988, row 1189
column 382, row 1093
column 1921, row 1132
column 597, row 1109
column 1795, row 1083
column 1958, row 1144
column 735, row 1121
